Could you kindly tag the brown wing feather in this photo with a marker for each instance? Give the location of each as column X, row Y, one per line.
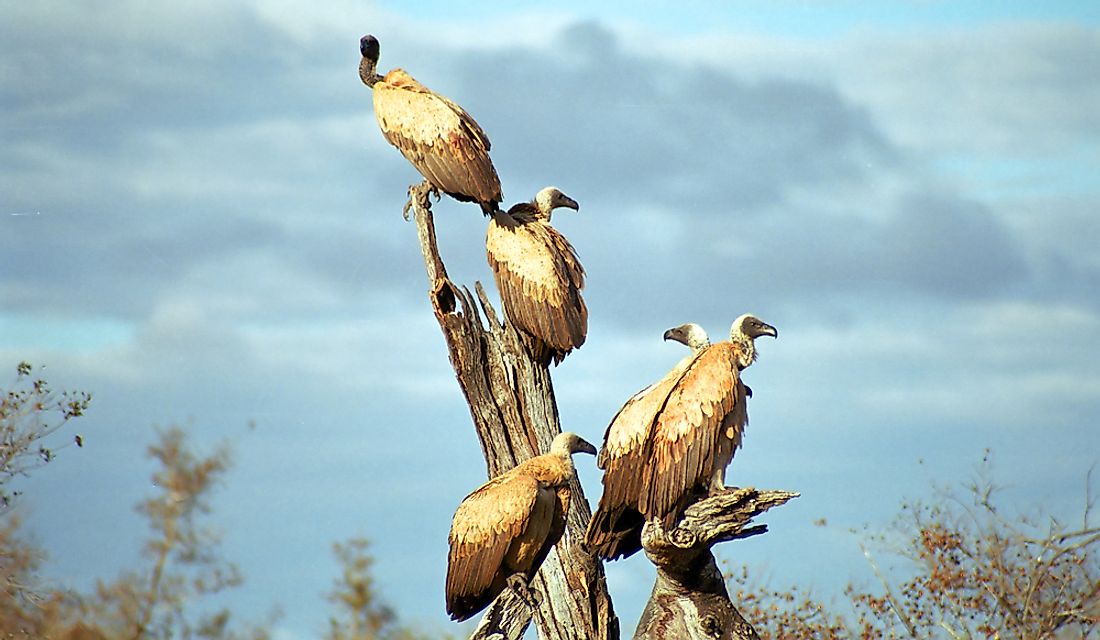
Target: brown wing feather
column 554, row 529
column 523, row 555
column 483, row 529
column 540, row 279
column 689, row 432
column 615, row 528
column 438, row 137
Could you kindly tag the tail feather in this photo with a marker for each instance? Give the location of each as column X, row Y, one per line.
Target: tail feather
column 615, row 535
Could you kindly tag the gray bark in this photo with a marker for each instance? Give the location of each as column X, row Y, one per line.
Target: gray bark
column 507, row 618
column 515, row 414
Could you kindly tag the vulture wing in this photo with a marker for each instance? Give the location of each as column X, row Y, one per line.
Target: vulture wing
column 540, row 279
column 692, row 435
column 502, row 523
column 438, row 137
column 615, row 528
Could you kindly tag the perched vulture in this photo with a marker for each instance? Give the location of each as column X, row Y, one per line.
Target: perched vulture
column 539, row 276
column 674, row 438
column 436, row 135
column 508, row 525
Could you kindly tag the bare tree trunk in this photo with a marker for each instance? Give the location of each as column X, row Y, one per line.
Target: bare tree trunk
column 689, row 598
column 512, row 403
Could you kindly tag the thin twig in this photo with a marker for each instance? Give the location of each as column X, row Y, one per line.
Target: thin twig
column 890, row 594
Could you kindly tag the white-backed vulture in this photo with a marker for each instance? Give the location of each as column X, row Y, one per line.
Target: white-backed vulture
column 508, row 526
column 674, row 438
column 436, row 135
column 539, row 276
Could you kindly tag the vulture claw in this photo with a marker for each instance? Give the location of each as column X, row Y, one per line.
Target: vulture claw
column 517, row 582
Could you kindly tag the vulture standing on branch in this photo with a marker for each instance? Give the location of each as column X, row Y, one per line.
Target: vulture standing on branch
column 508, row 525
column 436, row 135
column 674, row 438
column 539, row 276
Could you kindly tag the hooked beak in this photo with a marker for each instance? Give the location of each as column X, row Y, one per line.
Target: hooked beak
column 584, row 446
column 568, row 202
column 767, row 330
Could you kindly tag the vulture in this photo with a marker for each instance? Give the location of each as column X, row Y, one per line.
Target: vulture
column 436, row 135
column 674, row 438
column 507, row 526
column 539, row 276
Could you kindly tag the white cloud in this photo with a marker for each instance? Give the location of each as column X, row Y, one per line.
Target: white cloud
column 999, row 88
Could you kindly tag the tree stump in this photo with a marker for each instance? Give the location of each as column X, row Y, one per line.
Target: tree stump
column 689, row 598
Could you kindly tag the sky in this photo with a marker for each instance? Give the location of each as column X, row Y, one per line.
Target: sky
column 201, row 224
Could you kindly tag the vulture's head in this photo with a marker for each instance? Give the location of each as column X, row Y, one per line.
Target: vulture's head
column 744, row 332
column 368, row 46
column 551, row 198
column 751, row 327
column 690, row 334
column 567, row 443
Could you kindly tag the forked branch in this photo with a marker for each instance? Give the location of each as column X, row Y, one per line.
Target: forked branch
column 689, row 598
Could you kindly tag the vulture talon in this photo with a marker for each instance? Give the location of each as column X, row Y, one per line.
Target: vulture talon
column 418, row 194
column 519, row 585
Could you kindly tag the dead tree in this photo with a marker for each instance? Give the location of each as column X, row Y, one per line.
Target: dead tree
column 512, row 403
column 689, row 598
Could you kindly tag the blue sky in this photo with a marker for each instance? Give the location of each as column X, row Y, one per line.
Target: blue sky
column 200, row 223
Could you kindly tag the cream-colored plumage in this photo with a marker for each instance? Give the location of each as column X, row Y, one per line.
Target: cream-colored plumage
column 688, row 442
column 674, row 438
column 615, row 528
column 436, row 135
column 539, row 276
column 508, row 525
column 629, row 427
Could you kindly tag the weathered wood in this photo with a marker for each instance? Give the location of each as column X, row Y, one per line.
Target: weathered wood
column 507, row 618
column 515, row 414
column 689, row 598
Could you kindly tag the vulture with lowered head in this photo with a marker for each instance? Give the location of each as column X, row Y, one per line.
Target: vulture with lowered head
column 539, row 276
column 675, row 438
column 508, row 525
column 436, row 135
